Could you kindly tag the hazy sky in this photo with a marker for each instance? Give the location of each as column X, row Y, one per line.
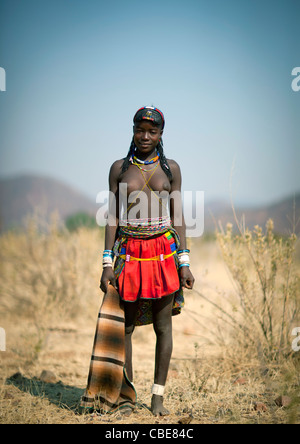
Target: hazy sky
column 77, row 71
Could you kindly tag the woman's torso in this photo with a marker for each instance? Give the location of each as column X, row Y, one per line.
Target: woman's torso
column 140, row 200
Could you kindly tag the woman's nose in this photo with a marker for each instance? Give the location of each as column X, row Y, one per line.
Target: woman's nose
column 145, row 135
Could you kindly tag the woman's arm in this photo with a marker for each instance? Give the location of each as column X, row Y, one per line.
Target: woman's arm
column 111, row 228
column 178, row 222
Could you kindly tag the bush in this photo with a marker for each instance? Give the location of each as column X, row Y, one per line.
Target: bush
column 49, row 275
column 266, row 281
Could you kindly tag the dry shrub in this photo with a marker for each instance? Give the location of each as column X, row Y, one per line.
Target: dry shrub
column 266, row 306
column 253, row 322
column 48, row 276
column 264, row 309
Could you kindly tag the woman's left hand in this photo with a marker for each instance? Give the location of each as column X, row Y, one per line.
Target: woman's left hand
column 186, row 278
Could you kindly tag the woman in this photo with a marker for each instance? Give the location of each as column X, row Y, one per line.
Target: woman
column 149, row 241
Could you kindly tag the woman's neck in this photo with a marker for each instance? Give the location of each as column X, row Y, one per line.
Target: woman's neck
column 145, row 156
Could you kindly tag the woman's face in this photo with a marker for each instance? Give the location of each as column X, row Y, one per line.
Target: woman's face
column 146, row 136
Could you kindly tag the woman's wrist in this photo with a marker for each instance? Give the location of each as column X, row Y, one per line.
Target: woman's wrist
column 107, row 259
column 183, row 258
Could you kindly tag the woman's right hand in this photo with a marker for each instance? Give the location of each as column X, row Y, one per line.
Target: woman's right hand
column 108, row 276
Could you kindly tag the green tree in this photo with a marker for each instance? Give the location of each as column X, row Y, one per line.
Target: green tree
column 78, row 220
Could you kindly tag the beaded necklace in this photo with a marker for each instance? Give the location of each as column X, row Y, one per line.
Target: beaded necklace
column 135, row 160
column 144, row 169
column 146, row 162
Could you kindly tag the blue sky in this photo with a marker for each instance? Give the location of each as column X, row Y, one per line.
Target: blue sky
column 77, row 70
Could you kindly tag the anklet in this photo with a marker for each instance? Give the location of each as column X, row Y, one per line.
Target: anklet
column 158, row 390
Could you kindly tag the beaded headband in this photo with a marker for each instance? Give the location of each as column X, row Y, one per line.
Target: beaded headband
column 150, row 113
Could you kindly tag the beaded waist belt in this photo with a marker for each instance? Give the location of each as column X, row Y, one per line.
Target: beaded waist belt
column 144, row 228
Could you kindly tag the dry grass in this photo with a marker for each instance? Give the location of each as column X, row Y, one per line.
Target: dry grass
column 48, row 307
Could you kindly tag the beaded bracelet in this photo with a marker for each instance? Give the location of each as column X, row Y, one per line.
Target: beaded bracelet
column 183, row 258
column 108, row 253
column 108, row 257
column 183, row 265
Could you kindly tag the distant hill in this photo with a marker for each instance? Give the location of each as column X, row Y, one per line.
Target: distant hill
column 21, row 195
column 284, row 213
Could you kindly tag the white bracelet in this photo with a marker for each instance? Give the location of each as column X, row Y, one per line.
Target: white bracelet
column 184, row 258
column 158, row 390
column 107, row 260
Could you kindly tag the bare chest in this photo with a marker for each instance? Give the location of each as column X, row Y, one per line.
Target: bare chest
column 135, row 180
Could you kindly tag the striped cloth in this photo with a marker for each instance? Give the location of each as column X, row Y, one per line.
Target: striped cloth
column 108, row 388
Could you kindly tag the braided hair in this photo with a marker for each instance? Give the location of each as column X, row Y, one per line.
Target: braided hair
column 157, row 118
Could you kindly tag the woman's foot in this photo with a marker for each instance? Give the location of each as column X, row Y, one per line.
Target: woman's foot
column 157, row 407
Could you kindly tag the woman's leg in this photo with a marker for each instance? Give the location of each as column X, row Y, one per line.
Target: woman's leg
column 130, row 309
column 162, row 324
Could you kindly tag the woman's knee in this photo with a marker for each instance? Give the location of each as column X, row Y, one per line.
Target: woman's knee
column 129, row 329
column 162, row 316
column 130, row 317
column 163, row 327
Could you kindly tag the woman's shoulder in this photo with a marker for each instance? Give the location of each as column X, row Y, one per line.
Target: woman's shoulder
column 117, row 164
column 116, row 169
column 174, row 166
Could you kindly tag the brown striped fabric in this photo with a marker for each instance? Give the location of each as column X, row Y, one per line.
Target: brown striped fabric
column 108, row 388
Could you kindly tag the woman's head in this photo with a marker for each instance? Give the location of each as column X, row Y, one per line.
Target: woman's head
column 151, row 114
column 148, row 120
column 146, row 136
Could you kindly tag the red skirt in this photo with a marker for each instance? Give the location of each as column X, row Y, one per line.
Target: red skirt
column 151, row 279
